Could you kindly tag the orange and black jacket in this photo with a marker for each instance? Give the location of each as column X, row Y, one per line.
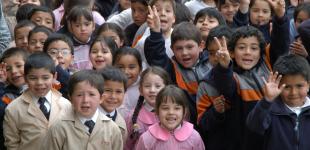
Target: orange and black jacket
column 184, row 78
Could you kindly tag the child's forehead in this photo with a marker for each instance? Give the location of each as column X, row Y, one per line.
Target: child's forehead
column 38, row 35
column 17, row 57
column 248, row 40
column 297, row 78
column 24, row 29
column 39, row 71
column 81, row 19
column 164, row 3
column 39, row 12
column 113, row 84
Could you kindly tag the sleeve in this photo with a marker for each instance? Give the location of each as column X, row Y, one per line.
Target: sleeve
column 140, row 144
column 5, row 36
column 117, row 139
column 10, row 130
column 53, row 141
column 259, row 119
column 279, row 45
column 240, row 19
column 199, row 145
column 155, row 51
column 122, row 19
column 98, row 18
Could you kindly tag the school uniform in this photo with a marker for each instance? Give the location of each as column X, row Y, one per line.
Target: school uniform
column 71, row 133
column 195, row 5
column 145, row 119
column 25, row 124
column 118, row 119
column 130, row 99
column 159, row 138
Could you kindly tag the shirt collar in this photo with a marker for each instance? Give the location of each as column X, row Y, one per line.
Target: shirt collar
column 48, row 97
column 105, row 113
column 93, row 118
column 298, row 109
column 181, row 133
column 148, row 107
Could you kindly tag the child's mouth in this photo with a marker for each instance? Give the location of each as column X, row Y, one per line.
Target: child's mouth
column 247, row 61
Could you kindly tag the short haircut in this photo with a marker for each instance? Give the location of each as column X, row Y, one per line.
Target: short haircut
column 14, row 51
column 185, row 31
column 38, row 29
column 305, row 7
column 292, row 65
column 210, row 12
column 110, row 73
column 58, row 37
column 107, row 41
column 90, row 76
column 42, row 9
column 79, row 11
column 172, row 2
column 113, row 27
column 24, row 23
column 128, row 51
column 143, row 2
column 39, row 60
column 219, row 32
column 24, row 11
column 183, row 13
column 222, row 2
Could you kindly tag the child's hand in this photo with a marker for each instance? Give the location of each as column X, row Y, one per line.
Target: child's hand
column 298, row 49
column 244, row 6
column 219, row 104
column 271, row 89
column 278, row 7
column 153, row 19
column 222, row 54
column 3, row 73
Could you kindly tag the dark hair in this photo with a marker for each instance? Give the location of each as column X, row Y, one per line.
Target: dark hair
column 69, row 4
column 174, row 94
column 42, row 9
column 151, row 70
column 305, row 7
column 14, row 51
column 210, row 12
column 24, row 23
column 172, row 2
column 292, row 65
column 111, row 73
column 58, row 37
column 113, row 27
column 219, row 32
column 185, row 31
column 39, row 60
column 24, row 11
column 128, row 51
column 38, row 29
column 222, row 2
column 107, row 41
column 90, row 76
column 143, row 2
column 183, row 13
column 77, row 11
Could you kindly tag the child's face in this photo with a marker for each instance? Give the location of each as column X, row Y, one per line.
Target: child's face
column 36, row 42
column 113, row 95
column 100, row 55
column 295, row 91
column 114, row 36
column 60, row 51
column 170, row 115
column 21, row 37
column 150, row 87
column 247, row 52
column 212, row 49
column 186, row 52
column 301, row 16
column 130, row 66
column 82, row 29
column 139, row 13
column 205, row 24
column 166, row 15
column 36, row 2
column 229, row 9
column 85, row 99
column 15, row 70
column 43, row 19
column 40, row 81
column 260, row 13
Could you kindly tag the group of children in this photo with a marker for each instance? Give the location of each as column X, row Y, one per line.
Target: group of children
column 218, row 75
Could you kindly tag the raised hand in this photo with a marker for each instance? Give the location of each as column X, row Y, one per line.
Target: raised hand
column 219, row 104
column 222, row 54
column 271, row 90
column 3, row 73
column 244, row 6
column 298, row 49
column 153, row 20
column 278, row 7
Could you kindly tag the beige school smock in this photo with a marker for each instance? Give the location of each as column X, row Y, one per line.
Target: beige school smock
column 70, row 134
column 120, row 121
column 24, row 123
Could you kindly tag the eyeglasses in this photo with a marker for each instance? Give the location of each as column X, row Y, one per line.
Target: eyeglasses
column 55, row 52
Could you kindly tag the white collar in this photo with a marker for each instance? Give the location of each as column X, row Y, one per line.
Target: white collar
column 48, row 97
column 298, row 109
column 93, row 118
column 105, row 112
column 148, row 107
